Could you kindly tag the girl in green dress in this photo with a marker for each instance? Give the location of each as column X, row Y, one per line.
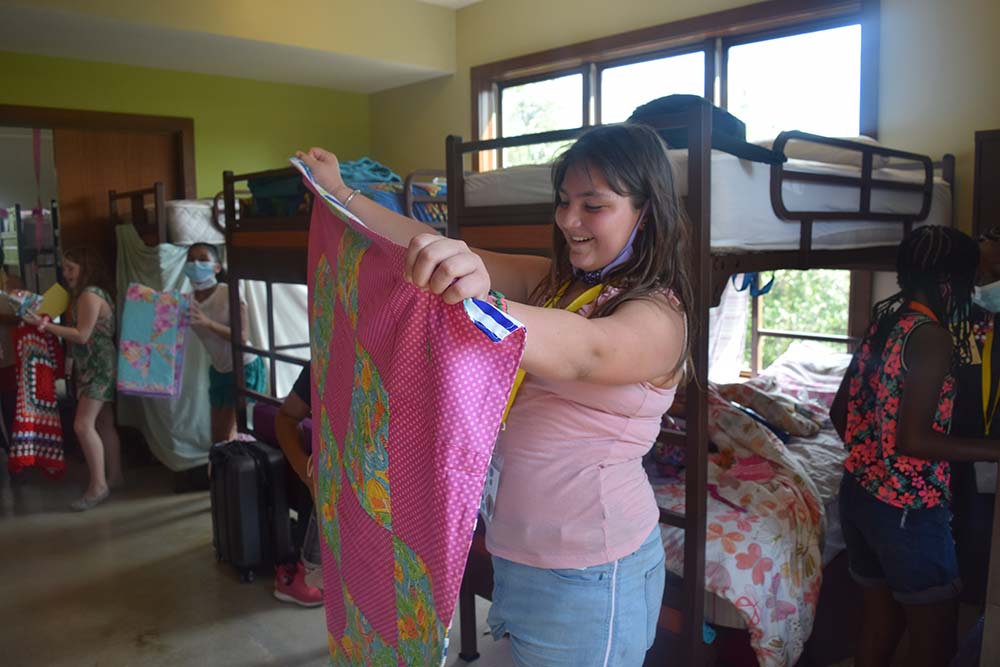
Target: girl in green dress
column 92, row 351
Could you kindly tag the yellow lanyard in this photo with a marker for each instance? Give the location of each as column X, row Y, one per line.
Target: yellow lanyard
column 579, row 302
column 987, row 375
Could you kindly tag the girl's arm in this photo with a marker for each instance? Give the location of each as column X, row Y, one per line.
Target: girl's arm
column 640, row 342
column 288, row 429
column 199, row 319
column 514, row 275
column 88, row 308
column 928, row 357
column 838, row 409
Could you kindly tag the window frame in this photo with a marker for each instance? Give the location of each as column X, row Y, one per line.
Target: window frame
column 713, row 33
column 859, row 303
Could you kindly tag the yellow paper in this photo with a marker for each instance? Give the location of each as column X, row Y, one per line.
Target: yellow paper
column 55, row 301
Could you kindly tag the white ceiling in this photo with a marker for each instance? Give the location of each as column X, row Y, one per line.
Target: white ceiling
column 451, row 4
column 87, row 37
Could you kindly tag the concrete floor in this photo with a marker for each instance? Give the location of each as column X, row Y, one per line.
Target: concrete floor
column 135, row 582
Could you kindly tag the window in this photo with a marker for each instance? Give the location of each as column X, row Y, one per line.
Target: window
column 815, row 302
column 809, row 82
column 539, row 106
column 624, row 87
column 775, row 65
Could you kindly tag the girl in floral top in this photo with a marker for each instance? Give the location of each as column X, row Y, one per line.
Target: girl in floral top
column 92, row 349
column 893, row 411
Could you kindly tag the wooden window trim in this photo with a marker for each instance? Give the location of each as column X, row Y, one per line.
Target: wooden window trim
column 686, row 35
column 53, row 118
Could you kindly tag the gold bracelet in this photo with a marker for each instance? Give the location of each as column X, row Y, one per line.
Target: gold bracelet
column 347, row 202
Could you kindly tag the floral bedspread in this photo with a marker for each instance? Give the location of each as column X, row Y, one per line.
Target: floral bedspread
column 765, row 524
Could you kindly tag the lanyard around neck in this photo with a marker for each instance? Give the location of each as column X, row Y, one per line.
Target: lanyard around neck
column 579, row 302
column 921, row 308
column 989, row 412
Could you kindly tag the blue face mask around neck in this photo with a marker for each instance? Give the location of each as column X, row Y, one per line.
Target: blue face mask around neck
column 201, row 274
column 987, row 297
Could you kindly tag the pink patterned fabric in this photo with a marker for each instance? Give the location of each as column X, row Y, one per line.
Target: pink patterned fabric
column 407, row 400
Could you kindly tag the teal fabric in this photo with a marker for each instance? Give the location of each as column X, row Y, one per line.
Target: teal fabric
column 178, row 430
column 222, row 386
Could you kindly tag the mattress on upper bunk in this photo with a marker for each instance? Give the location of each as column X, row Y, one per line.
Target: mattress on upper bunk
column 742, row 216
column 189, row 221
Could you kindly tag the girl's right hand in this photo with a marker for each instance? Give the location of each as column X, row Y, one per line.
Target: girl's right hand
column 446, row 267
column 325, row 169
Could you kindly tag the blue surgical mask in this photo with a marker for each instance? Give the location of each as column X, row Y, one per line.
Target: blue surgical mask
column 201, row 274
column 987, row 297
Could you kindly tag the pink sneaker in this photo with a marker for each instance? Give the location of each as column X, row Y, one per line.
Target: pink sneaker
column 290, row 586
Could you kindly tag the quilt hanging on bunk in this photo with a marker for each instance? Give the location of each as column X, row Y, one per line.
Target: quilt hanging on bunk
column 37, row 439
column 408, row 395
column 151, row 351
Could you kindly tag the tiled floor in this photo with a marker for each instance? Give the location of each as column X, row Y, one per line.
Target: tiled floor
column 135, row 582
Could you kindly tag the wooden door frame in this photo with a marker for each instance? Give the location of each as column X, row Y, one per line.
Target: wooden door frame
column 54, row 118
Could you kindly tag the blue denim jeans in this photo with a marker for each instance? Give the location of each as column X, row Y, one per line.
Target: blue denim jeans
column 910, row 551
column 599, row 616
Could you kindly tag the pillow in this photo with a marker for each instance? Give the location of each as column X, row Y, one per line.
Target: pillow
column 806, row 150
column 808, row 371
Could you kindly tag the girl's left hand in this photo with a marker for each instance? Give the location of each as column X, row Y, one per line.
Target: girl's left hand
column 196, row 316
column 446, row 267
column 32, row 319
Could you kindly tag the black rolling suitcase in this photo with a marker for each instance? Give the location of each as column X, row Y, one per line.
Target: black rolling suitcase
column 251, row 528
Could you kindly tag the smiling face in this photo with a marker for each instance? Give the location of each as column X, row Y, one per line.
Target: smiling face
column 595, row 220
column 71, row 272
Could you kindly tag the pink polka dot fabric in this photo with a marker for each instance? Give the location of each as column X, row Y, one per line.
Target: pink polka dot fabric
column 414, row 393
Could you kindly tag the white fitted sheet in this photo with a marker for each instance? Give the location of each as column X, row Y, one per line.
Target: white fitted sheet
column 742, row 216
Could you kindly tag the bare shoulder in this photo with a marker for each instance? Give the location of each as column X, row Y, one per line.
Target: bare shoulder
column 929, row 346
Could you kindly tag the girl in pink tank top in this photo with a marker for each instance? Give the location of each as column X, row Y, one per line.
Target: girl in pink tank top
column 571, row 520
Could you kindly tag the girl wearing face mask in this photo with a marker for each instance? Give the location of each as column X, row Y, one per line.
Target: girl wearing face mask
column 210, row 321
column 895, row 412
column 91, row 338
column 975, row 417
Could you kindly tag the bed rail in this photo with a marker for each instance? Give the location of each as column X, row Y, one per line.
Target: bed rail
column 410, row 198
column 153, row 232
column 866, row 182
column 268, row 249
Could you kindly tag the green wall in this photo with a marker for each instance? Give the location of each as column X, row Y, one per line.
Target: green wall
column 239, row 124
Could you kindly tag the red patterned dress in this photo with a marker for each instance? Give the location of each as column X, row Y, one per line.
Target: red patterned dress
column 902, row 481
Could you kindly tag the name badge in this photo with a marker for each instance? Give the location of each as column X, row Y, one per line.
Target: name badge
column 487, row 504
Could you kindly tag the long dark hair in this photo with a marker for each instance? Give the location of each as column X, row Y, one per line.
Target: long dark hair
column 633, row 160
column 938, row 264
column 93, row 270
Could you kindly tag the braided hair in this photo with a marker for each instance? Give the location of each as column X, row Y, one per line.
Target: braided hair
column 940, row 264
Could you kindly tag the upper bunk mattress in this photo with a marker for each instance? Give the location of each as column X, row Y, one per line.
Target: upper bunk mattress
column 742, row 216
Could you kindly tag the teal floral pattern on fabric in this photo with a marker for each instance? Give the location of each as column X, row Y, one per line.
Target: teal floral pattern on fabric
column 332, row 471
column 349, row 255
column 421, row 635
column 321, row 328
column 361, row 645
column 366, row 457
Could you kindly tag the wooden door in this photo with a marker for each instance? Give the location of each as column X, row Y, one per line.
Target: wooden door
column 89, row 162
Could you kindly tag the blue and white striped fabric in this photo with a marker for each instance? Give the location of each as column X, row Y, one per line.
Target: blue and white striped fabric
column 492, row 321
